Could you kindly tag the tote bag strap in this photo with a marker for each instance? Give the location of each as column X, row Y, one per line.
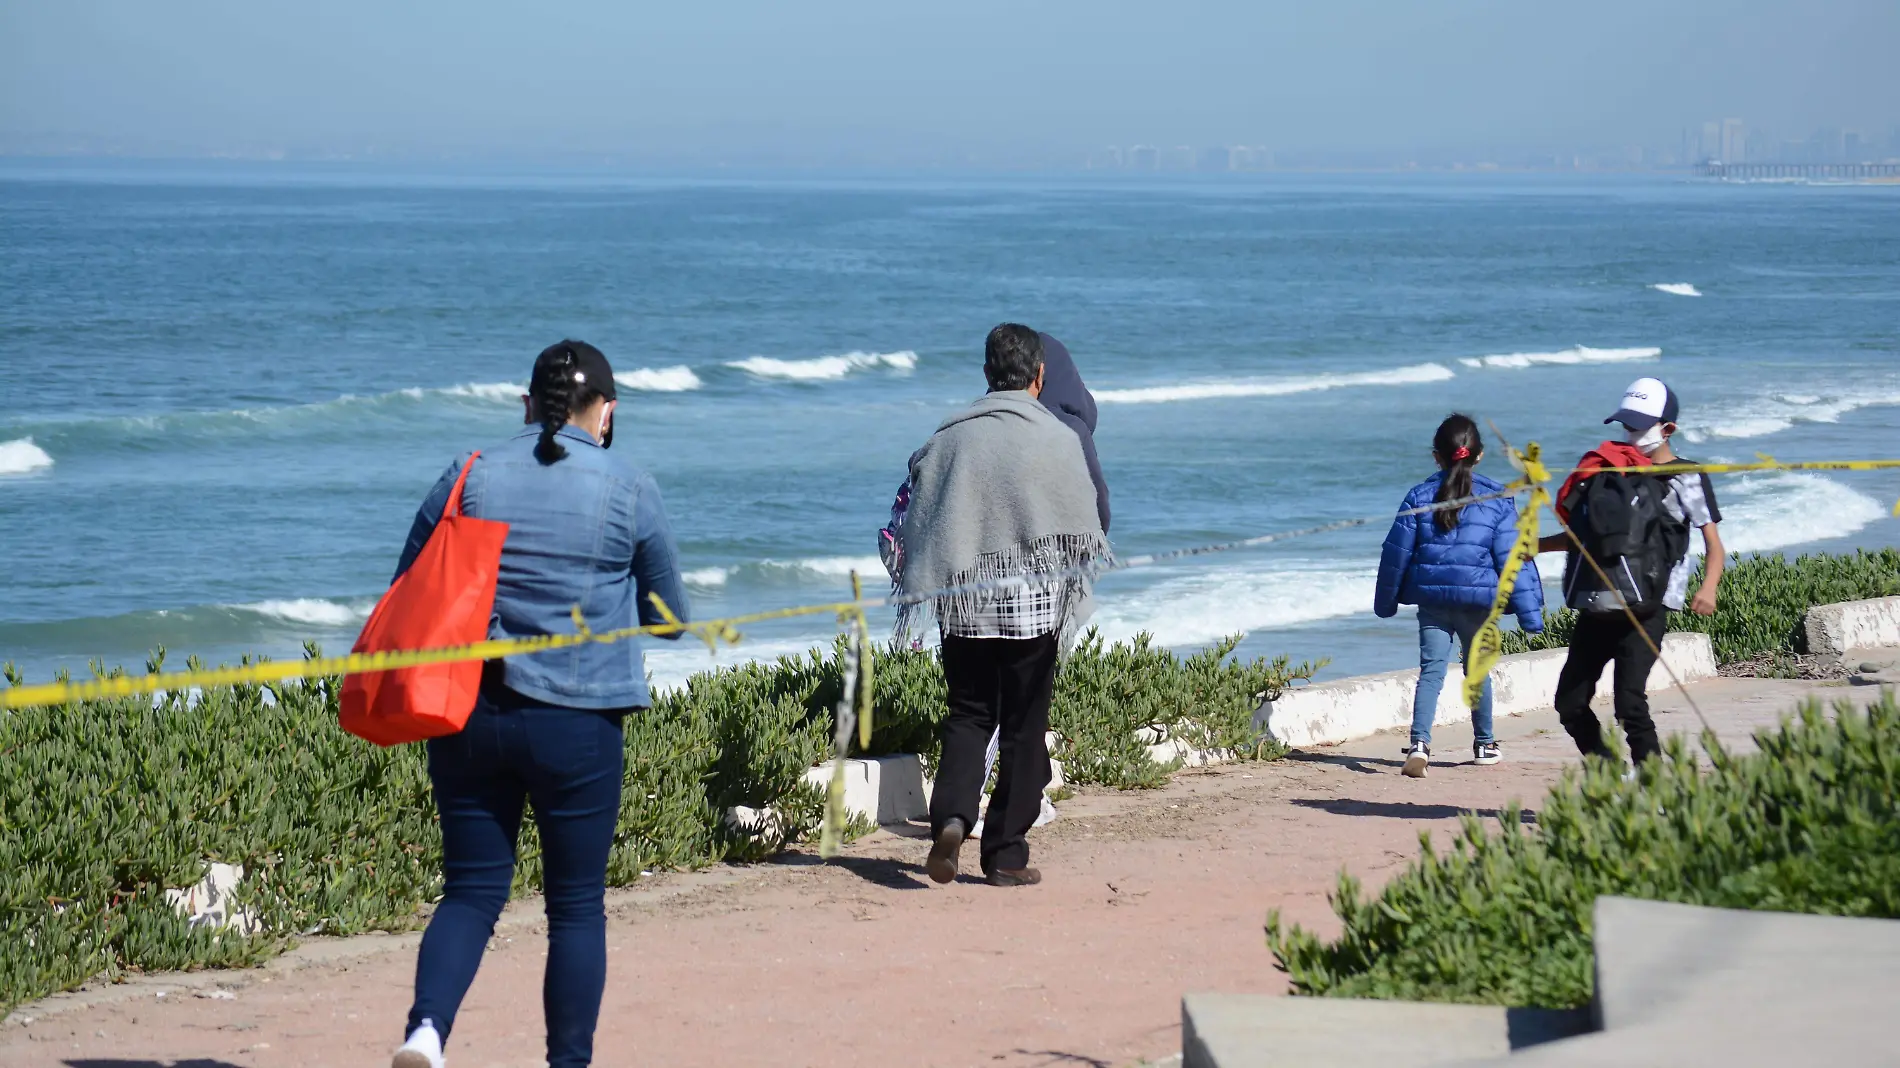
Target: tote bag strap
column 454, row 505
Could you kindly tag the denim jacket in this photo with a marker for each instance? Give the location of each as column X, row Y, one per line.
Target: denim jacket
column 587, row 530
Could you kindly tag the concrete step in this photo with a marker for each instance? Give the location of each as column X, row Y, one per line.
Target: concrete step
column 1267, row 1031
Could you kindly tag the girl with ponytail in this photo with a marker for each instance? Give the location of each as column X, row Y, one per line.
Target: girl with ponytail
column 1444, row 554
column 586, row 532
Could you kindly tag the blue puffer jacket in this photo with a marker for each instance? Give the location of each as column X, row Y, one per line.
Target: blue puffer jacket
column 1426, row 566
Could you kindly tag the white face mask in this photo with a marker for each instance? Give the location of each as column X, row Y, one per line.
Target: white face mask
column 1646, row 441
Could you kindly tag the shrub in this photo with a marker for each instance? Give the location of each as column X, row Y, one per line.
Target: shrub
column 1763, row 605
column 1809, row 823
column 106, row 804
column 1110, row 700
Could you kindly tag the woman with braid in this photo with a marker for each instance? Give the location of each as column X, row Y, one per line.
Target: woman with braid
column 585, row 527
column 1448, row 562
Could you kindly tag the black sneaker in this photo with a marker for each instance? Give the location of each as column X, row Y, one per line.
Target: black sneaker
column 1486, row 753
column 1418, row 756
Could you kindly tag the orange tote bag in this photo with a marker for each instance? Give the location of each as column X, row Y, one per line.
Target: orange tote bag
column 445, row 598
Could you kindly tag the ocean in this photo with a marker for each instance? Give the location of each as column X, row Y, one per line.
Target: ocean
column 224, row 390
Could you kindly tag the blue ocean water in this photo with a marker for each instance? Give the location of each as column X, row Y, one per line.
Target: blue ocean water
column 224, row 391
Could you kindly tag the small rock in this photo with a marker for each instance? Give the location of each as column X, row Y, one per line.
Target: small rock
column 217, row 995
column 1872, row 668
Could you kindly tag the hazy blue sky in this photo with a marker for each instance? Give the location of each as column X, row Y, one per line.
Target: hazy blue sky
column 737, row 75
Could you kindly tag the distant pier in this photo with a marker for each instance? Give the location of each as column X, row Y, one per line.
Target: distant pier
column 1831, row 171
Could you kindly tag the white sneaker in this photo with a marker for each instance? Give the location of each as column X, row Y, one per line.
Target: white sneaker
column 423, row 1050
column 1418, row 756
column 1486, row 753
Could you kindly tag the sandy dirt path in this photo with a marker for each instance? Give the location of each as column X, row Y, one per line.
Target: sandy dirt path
column 863, row 962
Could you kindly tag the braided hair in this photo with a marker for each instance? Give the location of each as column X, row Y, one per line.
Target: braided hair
column 1458, row 447
column 557, row 391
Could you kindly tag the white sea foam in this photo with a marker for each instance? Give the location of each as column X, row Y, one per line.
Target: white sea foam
column 498, row 391
column 311, row 611
column 1782, row 509
column 1772, row 414
column 22, row 456
column 870, row 568
column 676, row 379
column 1204, row 605
column 1517, row 361
column 1680, row 289
column 825, row 368
column 1275, row 387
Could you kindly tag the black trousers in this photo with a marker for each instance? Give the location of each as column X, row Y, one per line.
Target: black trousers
column 1600, row 639
column 1006, row 682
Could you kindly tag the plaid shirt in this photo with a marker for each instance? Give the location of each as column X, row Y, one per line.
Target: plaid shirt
column 1030, row 608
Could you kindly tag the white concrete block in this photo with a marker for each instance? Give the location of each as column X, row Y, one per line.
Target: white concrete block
column 1339, row 711
column 1834, row 629
column 212, row 902
column 886, row 789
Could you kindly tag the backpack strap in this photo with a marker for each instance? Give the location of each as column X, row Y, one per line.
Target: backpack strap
column 454, row 505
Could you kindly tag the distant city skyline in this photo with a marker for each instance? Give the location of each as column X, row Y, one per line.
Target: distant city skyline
column 1251, row 84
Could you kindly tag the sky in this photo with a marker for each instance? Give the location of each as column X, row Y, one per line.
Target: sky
column 715, row 78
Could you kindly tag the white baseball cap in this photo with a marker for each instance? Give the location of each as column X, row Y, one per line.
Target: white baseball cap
column 1647, row 402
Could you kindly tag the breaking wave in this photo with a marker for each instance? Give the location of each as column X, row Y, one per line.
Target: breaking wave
column 312, row 611
column 1515, row 361
column 1680, row 289
column 825, row 368
column 1206, row 605
column 1275, row 387
column 676, row 379
column 22, row 456
column 1785, row 508
column 1774, row 414
column 781, row 572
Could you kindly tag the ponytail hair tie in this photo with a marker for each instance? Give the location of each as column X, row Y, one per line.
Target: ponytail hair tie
column 1462, row 453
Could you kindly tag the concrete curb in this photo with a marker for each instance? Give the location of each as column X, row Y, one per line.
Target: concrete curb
column 1834, row 630
column 885, row 790
column 1340, row 711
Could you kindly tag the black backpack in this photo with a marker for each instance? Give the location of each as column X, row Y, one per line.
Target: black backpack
column 1621, row 519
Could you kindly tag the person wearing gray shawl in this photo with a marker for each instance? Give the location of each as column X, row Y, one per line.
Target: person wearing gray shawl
column 1000, row 543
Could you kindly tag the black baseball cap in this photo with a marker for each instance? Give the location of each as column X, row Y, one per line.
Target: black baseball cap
column 1647, row 402
column 590, row 367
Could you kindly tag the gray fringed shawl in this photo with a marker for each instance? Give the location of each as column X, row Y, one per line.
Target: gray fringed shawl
column 1000, row 490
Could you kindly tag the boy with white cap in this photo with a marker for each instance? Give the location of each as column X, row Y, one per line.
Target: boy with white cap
column 1636, row 527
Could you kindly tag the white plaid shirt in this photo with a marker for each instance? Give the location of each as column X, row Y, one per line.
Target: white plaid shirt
column 1030, row 609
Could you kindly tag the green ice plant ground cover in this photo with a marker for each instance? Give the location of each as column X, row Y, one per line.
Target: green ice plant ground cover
column 104, row 805
column 1763, row 604
column 1808, row 823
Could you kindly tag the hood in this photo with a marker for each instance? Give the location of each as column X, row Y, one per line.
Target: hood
column 1062, row 388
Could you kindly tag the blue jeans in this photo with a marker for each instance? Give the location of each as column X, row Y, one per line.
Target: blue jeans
column 1437, row 625
column 567, row 762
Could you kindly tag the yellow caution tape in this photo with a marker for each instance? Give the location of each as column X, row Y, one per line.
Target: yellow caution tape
column 712, row 631
column 854, row 709
column 1488, row 646
column 1765, row 463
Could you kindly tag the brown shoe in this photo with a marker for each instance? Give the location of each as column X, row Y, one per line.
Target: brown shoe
column 942, row 865
column 1012, row 876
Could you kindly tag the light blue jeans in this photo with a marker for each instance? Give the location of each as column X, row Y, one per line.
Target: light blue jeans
column 1437, row 625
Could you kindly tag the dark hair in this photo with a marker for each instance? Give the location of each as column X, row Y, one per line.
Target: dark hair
column 1012, row 357
column 1457, row 432
column 556, row 391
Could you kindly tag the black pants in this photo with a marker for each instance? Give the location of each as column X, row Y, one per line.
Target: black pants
column 1602, row 638
column 995, row 681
